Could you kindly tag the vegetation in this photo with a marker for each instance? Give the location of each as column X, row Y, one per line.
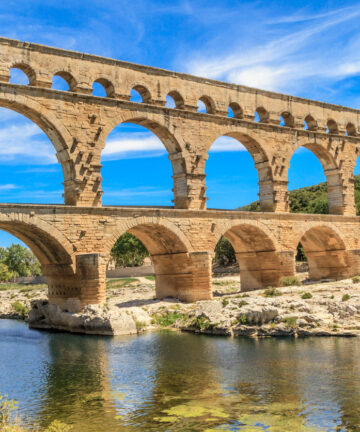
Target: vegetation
column 345, row 297
column 272, row 292
column 128, row 251
column 20, row 308
column 306, row 296
column 356, row 279
column 120, row 283
column 16, row 260
column 224, row 253
column 290, row 322
column 166, row 319
column 290, row 281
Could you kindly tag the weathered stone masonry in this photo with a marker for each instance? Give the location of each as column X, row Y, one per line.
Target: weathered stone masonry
column 73, row 241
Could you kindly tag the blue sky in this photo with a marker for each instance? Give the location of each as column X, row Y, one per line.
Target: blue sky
column 310, row 49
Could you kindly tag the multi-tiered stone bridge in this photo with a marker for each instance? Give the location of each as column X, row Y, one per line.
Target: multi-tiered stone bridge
column 73, row 241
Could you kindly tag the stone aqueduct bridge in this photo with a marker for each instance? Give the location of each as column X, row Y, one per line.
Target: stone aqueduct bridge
column 73, row 241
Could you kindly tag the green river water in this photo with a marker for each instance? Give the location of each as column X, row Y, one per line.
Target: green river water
column 169, row 381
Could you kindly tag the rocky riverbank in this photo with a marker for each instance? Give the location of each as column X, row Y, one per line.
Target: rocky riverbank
column 330, row 308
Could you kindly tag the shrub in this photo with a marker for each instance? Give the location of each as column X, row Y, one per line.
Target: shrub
column 242, row 303
column 290, row 322
column 290, row 281
column 166, row 319
column 243, row 319
column 201, row 323
column 140, row 325
column 150, row 278
column 345, row 297
column 20, row 308
column 272, row 292
column 306, row 296
column 356, row 279
column 225, row 302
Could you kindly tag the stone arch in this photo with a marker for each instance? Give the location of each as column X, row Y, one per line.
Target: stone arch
column 332, row 126
column 263, row 114
column 55, row 131
column 288, row 119
column 237, row 110
column 331, row 172
column 256, row 252
column 351, row 129
column 209, row 104
column 326, row 252
column 311, row 123
column 68, row 78
column 262, row 165
column 178, row 99
column 170, row 252
column 143, row 91
column 107, row 85
column 28, row 71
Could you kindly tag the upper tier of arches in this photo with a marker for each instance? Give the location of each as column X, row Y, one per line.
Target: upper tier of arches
column 237, row 103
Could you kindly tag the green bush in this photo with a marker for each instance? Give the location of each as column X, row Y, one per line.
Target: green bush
column 224, row 302
column 356, row 279
column 201, row 323
column 290, row 281
column 166, row 319
column 128, row 251
column 224, row 253
column 306, row 296
column 20, row 308
column 290, row 322
column 272, row 292
column 140, row 325
column 345, row 297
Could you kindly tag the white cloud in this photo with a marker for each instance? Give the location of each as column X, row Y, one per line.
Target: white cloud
column 226, row 144
column 8, row 187
column 128, row 145
column 140, row 191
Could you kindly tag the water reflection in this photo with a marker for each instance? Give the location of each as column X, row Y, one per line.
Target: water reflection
column 181, row 382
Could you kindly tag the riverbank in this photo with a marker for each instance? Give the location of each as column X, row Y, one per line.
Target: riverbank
column 330, row 308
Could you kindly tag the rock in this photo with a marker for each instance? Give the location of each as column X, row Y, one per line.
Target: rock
column 258, row 314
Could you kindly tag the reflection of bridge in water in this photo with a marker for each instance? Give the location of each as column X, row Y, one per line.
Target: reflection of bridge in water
column 72, row 242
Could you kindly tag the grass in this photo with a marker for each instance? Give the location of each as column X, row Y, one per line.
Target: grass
column 23, row 288
column 166, row 319
column 150, row 278
column 356, row 279
column 201, row 323
column 243, row 319
column 20, row 308
column 140, row 325
column 290, row 281
column 225, row 302
column 120, row 283
column 345, row 297
column 290, row 322
column 272, row 292
column 306, row 296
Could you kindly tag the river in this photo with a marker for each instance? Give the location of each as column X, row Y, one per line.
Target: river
column 168, row 381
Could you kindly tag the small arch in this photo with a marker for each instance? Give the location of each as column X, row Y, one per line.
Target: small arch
column 178, row 100
column 263, row 114
column 29, row 72
column 67, row 79
column 326, row 253
column 287, row 119
column 310, row 123
column 107, row 86
column 236, row 110
column 143, row 94
column 208, row 103
column 350, row 129
column 332, row 127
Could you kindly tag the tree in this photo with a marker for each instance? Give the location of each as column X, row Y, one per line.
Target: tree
column 21, row 261
column 128, row 251
column 5, row 273
column 224, row 252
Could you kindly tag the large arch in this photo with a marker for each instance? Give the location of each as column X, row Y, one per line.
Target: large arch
column 179, row 272
column 256, row 252
column 326, row 252
column 331, row 172
column 262, row 166
column 55, row 131
column 172, row 142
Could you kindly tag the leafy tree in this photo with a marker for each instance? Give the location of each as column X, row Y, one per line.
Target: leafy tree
column 128, row 251
column 20, row 261
column 5, row 273
column 224, row 252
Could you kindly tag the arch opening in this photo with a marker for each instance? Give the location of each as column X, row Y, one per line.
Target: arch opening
column 287, row 119
column 319, row 191
column 256, row 255
column 22, row 74
column 63, row 81
column 140, row 94
column 103, row 88
column 168, row 254
column 356, row 180
column 262, row 115
column 350, row 129
column 135, row 151
column 332, row 127
column 175, row 100
column 30, row 170
column 206, row 105
column 326, row 253
column 235, row 110
column 310, row 123
column 242, row 190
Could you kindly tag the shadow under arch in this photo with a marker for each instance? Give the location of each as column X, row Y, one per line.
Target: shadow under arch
column 332, row 174
column 262, row 166
column 326, row 253
column 170, row 253
column 256, row 254
column 57, row 134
